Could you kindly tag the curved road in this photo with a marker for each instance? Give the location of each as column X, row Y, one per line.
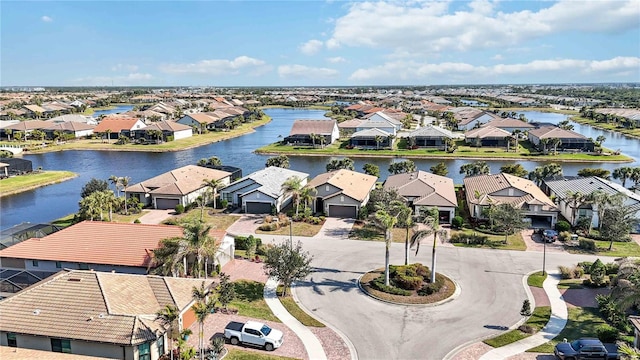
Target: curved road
column 491, row 296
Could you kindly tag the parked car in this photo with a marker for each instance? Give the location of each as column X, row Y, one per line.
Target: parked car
column 586, row 348
column 253, row 333
column 549, row 235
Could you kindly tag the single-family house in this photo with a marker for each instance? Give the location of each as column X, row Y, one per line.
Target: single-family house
column 381, row 116
column 24, row 127
column 510, row 125
column 18, row 166
column 167, row 130
column 469, row 118
column 71, row 128
column 73, row 118
column 373, row 138
column 114, row 127
column 560, row 189
column 261, row 192
column 342, row 193
column 431, row 136
column 302, row 131
column 348, row 127
column 180, row 186
column 570, row 140
column 98, row 314
column 34, row 111
column 483, row 191
column 423, row 190
column 200, row 121
column 487, row 136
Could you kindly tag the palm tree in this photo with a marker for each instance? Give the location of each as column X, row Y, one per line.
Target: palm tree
column 202, row 308
column 432, row 221
column 169, row 315
column 194, row 243
column 545, row 142
column 387, row 220
column 575, row 199
column 323, row 140
column 600, row 139
column 555, row 142
column 108, row 134
column 293, row 186
column 8, row 132
column 623, row 173
column 406, row 215
column 313, row 137
column 603, row 201
column 378, row 139
column 635, row 176
column 124, row 181
column 307, row 194
column 213, row 185
column 115, row 181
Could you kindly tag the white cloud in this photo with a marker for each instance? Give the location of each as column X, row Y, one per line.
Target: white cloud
column 240, row 64
column 311, row 47
column 497, row 57
column 302, row 71
column 337, row 59
column 46, row 18
column 410, row 71
column 433, row 27
column 124, row 67
column 130, row 79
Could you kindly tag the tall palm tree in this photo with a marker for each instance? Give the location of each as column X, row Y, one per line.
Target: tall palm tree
column 194, row 248
column 623, row 173
column 115, row 181
column 635, row 176
column 378, row 139
column 432, row 221
column 313, row 137
column 293, row 186
column 386, row 219
column 307, row 194
column 575, row 199
column 555, row 142
column 169, row 316
column 603, row 201
column 201, row 309
column 545, row 142
column 213, row 185
column 323, row 140
column 124, row 181
column 406, row 215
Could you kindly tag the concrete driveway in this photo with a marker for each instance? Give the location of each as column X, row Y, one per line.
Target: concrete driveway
column 335, row 228
column 491, row 296
column 156, row 216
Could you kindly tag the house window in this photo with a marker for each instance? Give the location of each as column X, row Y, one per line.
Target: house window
column 58, row 264
column 144, row 351
column 34, row 263
column 326, row 188
column 341, row 198
column 160, row 344
column 61, row 345
column 11, row 340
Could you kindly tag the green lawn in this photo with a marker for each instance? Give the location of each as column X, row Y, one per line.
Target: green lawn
column 64, row 221
column 20, row 183
column 250, row 300
column 537, row 320
column 209, row 215
column 371, row 233
column 536, row 279
column 611, row 127
column 620, row 249
column 237, row 354
column 514, row 242
column 582, row 323
column 292, row 307
column 525, row 151
column 298, row 229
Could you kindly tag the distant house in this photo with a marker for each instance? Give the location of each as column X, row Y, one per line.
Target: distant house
column 74, row 129
column 422, row 190
column 73, row 118
column 349, row 127
column 469, row 118
column 510, row 125
column 18, row 166
column 483, row 191
column 261, row 191
column 170, row 131
column 381, row 116
column 200, row 121
column 114, row 127
column 98, row 314
column 301, row 132
column 570, row 140
column 487, row 136
column 342, row 193
column 431, row 136
column 367, row 139
column 180, row 186
column 586, row 186
column 34, row 111
column 25, row 127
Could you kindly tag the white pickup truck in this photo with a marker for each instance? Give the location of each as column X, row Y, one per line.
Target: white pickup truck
column 253, row 333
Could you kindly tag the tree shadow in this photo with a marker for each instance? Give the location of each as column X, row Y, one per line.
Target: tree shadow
column 249, row 290
column 333, row 285
column 497, row 327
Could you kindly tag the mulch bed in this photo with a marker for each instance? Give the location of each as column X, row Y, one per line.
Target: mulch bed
column 445, row 292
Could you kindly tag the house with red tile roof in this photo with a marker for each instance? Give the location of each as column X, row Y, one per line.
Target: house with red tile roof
column 114, row 127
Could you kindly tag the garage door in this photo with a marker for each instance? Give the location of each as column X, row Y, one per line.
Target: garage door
column 163, row 204
column 258, row 208
column 342, row 211
column 444, row 216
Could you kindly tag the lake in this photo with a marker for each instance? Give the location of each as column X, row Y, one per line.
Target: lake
column 51, row 202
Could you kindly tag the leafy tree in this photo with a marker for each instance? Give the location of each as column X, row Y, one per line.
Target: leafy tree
column 617, row 223
column 382, row 198
column 600, row 139
column 432, row 222
column 401, row 167
column 514, row 169
column 287, row 263
column 281, row 161
column 603, row 201
column 337, row 164
column 371, row 169
column 588, row 172
column 92, row 186
column 475, row 168
column 226, row 290
column 439, row 169
column 526, row 308
column 555, row 142
column 508, row 219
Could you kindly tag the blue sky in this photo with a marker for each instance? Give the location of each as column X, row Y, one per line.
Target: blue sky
column 306, row 43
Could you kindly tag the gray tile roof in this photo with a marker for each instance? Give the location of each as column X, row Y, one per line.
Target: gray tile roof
column 431, row 131
column 587, row 185
column 370, row 133
column 272, row 178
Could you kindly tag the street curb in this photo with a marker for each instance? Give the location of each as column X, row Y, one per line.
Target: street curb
column 453, row 296
column 461, row 347
column 347, row 341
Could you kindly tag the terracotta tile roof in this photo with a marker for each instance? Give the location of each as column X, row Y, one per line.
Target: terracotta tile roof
column 167, row 126
column 487, row 132
column 306, row 127
column 350, row 124
column 180, row 181
column 555, row 132
column 35, row 108
column 353, row 184
column 115, row 124
column 430, row 189
column 11, row 353
column 94, row 306
column 96, row 242
column 488, row 185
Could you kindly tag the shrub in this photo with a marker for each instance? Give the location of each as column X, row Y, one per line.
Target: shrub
column 429, row 289
column 598, row 272
column 527, row 329
column 526, row 308
column 587, row 244
column 379, row 285
column 586, row 266
column 565, row 272
column 408, row 282
column 564, row 236
column 607, row 333
column 457, row 222
column 179, row 209
column 578, row 272
column 563, row 226
column 243, row 242
column 269, row 227
column 611, row 268
column 464, row 238
column 224, row 204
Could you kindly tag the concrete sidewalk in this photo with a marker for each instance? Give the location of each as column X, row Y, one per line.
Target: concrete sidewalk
column 310, row 341
column 557, row 322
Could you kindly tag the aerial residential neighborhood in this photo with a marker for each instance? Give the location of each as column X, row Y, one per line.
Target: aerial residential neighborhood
column 320, row 180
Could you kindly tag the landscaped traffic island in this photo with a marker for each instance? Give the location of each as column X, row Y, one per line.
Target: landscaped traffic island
column 408, row 284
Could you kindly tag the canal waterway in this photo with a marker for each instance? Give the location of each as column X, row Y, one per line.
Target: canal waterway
column 51, row 202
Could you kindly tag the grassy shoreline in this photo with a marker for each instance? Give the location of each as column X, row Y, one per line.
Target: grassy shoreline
column 18, row 184
column 633, row 133
column 177, row 145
